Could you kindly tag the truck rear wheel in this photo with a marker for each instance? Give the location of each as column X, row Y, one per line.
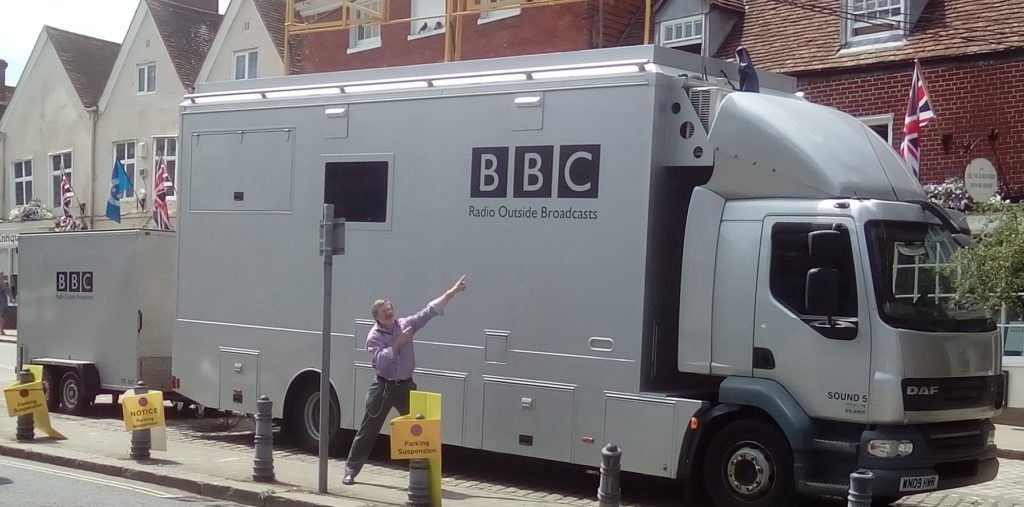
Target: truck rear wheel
column 73, row 395
column 303, row 417
column 749, row 463
column 50, row 389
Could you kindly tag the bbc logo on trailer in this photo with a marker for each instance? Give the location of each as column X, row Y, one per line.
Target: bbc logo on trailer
column 74, row 281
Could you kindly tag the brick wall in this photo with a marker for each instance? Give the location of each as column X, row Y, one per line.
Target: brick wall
column 535, row 30
column 969, row 97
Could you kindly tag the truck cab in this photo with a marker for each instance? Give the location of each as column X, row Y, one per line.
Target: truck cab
column 832, row 309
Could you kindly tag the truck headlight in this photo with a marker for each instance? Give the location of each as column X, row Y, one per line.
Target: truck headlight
column 990, row 439
column 890, row 448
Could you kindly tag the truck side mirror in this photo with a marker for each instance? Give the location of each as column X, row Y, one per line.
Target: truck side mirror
column 825, row 246
column 964, row 240
column 822, row 292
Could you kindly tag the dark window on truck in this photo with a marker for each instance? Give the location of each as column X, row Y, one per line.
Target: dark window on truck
column 791, row 260
column 358, row 190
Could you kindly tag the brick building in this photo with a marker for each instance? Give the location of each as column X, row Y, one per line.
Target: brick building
column 857, row 56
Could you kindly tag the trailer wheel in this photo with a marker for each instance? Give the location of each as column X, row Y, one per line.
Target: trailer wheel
column 73, row 395
column 303, row 417
column 50, row 390
column 749, row 463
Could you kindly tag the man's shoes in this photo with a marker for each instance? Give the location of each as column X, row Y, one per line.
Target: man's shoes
column 349, row 479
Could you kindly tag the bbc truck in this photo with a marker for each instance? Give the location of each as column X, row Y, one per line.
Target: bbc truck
column 742, row 290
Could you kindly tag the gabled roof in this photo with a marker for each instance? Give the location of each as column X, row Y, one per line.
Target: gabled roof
column 187, row 33
column 272, row 13
column 87, row 61
column 804, row 35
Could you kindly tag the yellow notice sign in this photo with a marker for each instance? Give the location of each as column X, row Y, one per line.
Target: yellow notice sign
column 415, row 438
column 24, row 398
column 143, row 411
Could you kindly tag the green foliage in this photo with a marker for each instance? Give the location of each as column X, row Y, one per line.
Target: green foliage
column 992, row 268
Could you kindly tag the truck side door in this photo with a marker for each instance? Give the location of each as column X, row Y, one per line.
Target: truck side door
column 824, row 365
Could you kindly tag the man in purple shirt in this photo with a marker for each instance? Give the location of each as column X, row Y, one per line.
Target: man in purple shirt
column 390, row 345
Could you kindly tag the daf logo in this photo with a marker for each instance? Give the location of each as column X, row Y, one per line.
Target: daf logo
column 922, row 390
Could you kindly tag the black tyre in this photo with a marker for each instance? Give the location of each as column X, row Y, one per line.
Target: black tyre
column 303, row 418
column 73, row 396
column 50, row 388
column 749, row 464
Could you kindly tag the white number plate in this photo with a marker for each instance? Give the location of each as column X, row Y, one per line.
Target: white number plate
column 922, row 483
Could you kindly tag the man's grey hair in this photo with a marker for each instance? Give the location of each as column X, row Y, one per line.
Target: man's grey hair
column 377, row 306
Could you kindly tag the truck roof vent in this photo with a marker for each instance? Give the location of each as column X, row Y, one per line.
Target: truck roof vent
column 705, row 102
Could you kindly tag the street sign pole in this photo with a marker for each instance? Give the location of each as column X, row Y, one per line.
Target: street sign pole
column 332, row 242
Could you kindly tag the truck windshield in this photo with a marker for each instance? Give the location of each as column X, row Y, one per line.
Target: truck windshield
column 913, row 281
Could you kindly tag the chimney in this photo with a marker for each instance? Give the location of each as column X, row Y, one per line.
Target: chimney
column 3, row 82
column 206, row 5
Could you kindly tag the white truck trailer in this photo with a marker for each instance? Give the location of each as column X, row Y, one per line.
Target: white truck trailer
column 730, row 286
column 97, row 312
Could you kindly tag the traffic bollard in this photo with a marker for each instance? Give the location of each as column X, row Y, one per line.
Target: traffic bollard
column 608, row 491
column 140, row 438
column 263, row 465
column 419, row 483
column 860, row 489
column 25, row 429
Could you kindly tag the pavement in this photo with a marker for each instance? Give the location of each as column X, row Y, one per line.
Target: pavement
column 224, row 472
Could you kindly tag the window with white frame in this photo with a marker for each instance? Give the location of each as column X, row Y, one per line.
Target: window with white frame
column 880, row 124
column 22, row 182
column 146, row 81
column 125, row 152
column 869, row 18
column 498, row 12
column 365, row 35
column 428, row 17
column 682, row 32
column 246, row 63
column 60, row 166
column 166, row 150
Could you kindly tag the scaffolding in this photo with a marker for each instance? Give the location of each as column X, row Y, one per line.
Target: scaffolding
column 357, row 14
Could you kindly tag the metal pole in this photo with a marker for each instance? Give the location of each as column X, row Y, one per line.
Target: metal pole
column 25, row 428
column 860, row 489
column 140, row 438
column 327, row 229
column 608, row 491
column 263, row 465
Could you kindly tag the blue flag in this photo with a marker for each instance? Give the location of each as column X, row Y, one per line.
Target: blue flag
column 118, row 186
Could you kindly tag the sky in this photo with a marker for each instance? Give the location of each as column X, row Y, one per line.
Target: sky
column 21, row 21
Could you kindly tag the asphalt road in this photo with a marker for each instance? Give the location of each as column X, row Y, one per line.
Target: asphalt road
column 30, row 484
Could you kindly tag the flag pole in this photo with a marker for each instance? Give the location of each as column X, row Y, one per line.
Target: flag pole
column 74, row 193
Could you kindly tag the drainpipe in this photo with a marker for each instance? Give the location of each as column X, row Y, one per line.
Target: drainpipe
column 94, row 116
column 3, row 172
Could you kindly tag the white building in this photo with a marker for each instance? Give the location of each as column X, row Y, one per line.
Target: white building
column 250, row 43
column 50, row 124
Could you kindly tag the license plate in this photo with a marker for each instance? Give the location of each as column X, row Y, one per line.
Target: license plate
column 921, row 483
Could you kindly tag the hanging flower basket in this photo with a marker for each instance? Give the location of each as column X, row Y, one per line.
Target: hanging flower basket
column 30, row 212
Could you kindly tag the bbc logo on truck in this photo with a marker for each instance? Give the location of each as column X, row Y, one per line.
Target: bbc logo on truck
column 74, row 284
column 536, row 172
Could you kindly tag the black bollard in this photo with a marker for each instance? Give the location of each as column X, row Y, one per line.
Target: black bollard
column 608, row 491
column 25, row 429
column 263, row 465
column 140, row 438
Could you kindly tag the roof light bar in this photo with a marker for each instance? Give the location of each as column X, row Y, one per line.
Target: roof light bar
column 383, row 87
column 586, row 72
column 303, row 92
column 472, row 80
column 234, row 97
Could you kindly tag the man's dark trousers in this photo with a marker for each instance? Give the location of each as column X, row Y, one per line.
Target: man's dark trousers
column 382, row 396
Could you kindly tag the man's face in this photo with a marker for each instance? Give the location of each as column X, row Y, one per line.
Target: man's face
column 386, row 315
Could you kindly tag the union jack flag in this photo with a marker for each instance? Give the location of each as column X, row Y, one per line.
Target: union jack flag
column 67, row 222
column 919, row 113
column 161, row 215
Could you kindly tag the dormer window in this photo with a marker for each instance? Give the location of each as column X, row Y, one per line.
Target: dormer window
column 875, row 18
column 682, row 33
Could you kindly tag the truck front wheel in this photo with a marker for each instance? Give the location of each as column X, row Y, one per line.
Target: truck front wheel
column 749, row 463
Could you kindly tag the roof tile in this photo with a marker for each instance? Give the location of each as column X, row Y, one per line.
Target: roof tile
column 187, row 33
column 87, row 61
column 803, row 35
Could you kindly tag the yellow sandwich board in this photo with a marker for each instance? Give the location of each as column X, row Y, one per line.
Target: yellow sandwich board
column 143, row 411
column 29, row 398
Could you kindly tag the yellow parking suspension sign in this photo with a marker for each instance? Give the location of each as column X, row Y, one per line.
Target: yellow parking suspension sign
column 143, row 411
column 24, row 398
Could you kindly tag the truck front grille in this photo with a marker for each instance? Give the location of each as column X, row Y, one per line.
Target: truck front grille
column 924, row 394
